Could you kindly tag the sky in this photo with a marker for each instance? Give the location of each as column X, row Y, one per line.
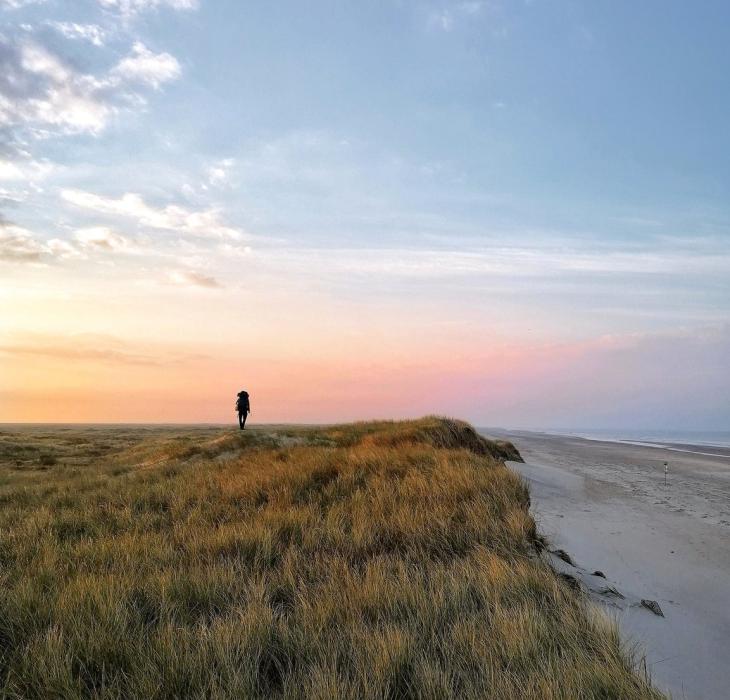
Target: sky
column 515, row 212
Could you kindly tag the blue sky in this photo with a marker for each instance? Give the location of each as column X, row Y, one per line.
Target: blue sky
column 429, row 175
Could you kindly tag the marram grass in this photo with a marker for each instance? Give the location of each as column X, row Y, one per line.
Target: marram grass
column 374, row 560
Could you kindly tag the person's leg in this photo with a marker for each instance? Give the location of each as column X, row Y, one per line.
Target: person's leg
column 241, row 419
column 244, row 415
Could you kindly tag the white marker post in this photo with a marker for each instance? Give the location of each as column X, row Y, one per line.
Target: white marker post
column 666, row 469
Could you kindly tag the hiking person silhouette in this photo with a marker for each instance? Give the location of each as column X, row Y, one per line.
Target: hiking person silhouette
column 243, row 406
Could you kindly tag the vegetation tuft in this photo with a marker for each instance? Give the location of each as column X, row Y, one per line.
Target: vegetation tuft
column 374, row 560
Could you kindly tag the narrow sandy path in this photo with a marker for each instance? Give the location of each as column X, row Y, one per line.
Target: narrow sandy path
column 606, row 505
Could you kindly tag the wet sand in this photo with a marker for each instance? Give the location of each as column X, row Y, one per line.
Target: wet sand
column 606, row 505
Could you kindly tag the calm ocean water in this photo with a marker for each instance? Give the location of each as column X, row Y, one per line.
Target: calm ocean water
column 699, row 438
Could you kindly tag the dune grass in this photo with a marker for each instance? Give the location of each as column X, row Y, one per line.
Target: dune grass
column 373, row 560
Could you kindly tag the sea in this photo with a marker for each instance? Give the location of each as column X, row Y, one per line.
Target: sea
column 713, row 442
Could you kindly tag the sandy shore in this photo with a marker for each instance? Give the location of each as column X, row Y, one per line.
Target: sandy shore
column 606, row 505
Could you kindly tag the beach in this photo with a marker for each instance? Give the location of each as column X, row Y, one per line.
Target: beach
column 606, row 505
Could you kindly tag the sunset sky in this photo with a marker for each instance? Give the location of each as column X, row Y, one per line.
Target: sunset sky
column 516, row 212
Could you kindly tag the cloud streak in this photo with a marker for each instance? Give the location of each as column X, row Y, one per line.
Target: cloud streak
column 94, row 348
column 191, row 278
column 18, row 245
column 92, row 33
column 17, row 4
column 130, row 8
column 24, row 169
column 101, row 238
column 205, row 223
column 513, row 261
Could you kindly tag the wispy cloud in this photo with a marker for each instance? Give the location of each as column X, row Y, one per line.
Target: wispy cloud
column 11, row 197
column 144, row 66
column 130, row 8
column 62, row 249
column 219, row 173
column 92, row 33
column 101, row 238
column 192, row 278
column 24, row 169
column 38, row 89
column 514, row 262
column 204, row 223
column 17, row 4
column 18, row 245
column 93, row 348
column 445, row 18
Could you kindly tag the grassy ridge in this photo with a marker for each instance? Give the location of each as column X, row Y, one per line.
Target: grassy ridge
column 383, row 560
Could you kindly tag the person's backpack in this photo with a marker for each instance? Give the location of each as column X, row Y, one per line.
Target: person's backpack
column 242, row 401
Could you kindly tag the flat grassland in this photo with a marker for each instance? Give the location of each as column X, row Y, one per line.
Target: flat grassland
column 372, row 560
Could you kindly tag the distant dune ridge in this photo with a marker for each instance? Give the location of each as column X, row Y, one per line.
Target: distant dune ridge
column 370, row 560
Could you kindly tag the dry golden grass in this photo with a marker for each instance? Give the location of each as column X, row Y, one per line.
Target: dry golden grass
column 374, row 560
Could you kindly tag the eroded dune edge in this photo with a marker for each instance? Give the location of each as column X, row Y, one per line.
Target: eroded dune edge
column 384, row 559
